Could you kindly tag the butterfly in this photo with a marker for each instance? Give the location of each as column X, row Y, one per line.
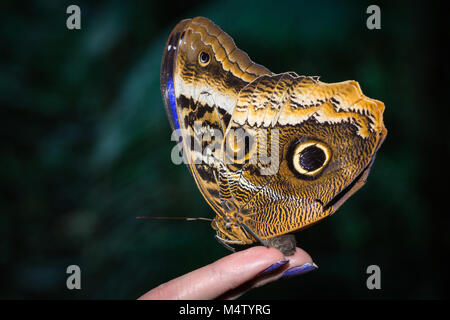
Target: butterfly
column 270, row 153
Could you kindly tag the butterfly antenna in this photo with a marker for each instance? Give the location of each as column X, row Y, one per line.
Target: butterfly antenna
column 174, row 218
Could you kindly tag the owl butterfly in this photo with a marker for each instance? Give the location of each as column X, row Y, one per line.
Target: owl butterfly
column 270, row 153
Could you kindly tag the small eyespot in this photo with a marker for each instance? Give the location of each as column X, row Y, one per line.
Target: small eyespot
column 309, row 158
column 203, row 59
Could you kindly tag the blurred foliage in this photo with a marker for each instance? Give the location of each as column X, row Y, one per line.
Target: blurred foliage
column 85, row 148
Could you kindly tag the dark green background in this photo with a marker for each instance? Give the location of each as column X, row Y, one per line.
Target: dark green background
column 85, row 147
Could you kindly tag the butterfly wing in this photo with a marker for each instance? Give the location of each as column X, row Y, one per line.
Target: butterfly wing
column 202, row 73
column 314, row 143
column 289, row 115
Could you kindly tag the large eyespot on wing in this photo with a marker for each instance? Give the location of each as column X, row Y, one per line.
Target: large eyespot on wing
column 168, row 65
column 308, row 159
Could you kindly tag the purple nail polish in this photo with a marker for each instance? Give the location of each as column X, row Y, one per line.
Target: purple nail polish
column 274, row 267
column 296, row 271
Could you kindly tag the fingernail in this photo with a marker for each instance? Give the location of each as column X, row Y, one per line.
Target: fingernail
column 274, row 267
column 296, row 271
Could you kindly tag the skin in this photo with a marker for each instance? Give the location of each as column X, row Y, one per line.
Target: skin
column 228, row 277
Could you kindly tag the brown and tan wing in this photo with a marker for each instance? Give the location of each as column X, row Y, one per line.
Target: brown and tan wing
column 325, row 140
column 202, row 74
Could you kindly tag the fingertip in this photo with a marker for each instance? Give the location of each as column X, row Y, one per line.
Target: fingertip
column 265, row 256
column 251, row 261
column 277, row 266
column 299, row 257
column 263, row 253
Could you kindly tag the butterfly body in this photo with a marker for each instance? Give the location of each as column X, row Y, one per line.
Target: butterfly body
column 270, row 153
